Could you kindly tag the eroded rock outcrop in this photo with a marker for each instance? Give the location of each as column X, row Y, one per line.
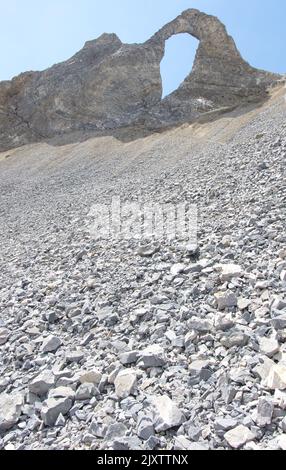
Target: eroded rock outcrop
column 109, row 85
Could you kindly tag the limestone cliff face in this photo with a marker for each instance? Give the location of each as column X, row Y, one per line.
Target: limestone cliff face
column 109, row 85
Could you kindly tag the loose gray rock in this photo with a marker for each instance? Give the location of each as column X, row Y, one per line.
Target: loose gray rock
column 269, row 346
column 115, row 431
column 224, row 424
column 225, row 300
column 230, row 271
column 129, row 357
column 125, row 383
column 10, row 410
column 265, row 411
column 41, row 384
column 154, row 314
column 282, row 442
column 4, row 335
column 145, row 428
column 166, row 414
column 239, row 436
column 93, row 377
column 276, row 378
column 234, row 338
column 182, row 443
column 62, row 392
column 53, row 408
column 152, row 356
column 51, row 344
column 86, row 391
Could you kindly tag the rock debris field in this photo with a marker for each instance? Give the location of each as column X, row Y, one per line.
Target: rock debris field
column 122, row 345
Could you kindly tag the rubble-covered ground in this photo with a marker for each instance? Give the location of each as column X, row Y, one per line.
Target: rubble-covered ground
column 121, row 345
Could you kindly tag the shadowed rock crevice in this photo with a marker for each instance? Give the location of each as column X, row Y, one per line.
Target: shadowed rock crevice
column 109, row 85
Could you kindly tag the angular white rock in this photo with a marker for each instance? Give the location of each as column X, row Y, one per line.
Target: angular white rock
column 239, row 436
column 177, row 269
column 166, row 414
column 243, row 304
column 263, row 369
column 86, row 391
column 276, row 378
column 280, row 399
column 10, row 410
column 268, row 346
column 182, row 443
column 264, row 412
column 229, row 271
column 282, row 442
column 125, row 383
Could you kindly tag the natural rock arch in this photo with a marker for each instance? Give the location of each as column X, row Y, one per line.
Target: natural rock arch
column 178, row 61
column 109, row 85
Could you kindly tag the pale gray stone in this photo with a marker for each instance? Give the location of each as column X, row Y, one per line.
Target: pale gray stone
column 86, row 391
column 62, row 392
column 276, row 378
column 10, row 410
column 269, row 346
column 225, row 300
column 182, row 443
column 93, row 377
column 166, row 414
column 152, row 356
column 41, row 384
column 51, row 344
column 282, row 442
column 239, row 436
column 125, row 383
column 265, row 411
column 129, row 357
column 230, row 271
column 234, row 338
column 4, row 335
column 74, row 356
column 53, row 408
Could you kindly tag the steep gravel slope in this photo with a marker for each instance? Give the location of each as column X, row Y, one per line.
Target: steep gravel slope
column 104, row 347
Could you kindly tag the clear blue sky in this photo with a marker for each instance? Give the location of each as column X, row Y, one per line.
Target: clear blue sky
column 35, row 34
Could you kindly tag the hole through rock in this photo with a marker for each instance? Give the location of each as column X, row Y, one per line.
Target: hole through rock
column 178, row 60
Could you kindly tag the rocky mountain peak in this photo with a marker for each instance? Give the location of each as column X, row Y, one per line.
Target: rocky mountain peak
column 110, row 85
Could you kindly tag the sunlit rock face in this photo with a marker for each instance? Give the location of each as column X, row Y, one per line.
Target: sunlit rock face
column 109, row 85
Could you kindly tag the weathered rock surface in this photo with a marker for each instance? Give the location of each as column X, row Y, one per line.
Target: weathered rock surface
column 10, row 410
column 239, row 436
column 51, row 344
column 41, row 384
column 166, row 414
column 125, row 383
column 53, row 408
column 109, row 85
column 4, row 335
